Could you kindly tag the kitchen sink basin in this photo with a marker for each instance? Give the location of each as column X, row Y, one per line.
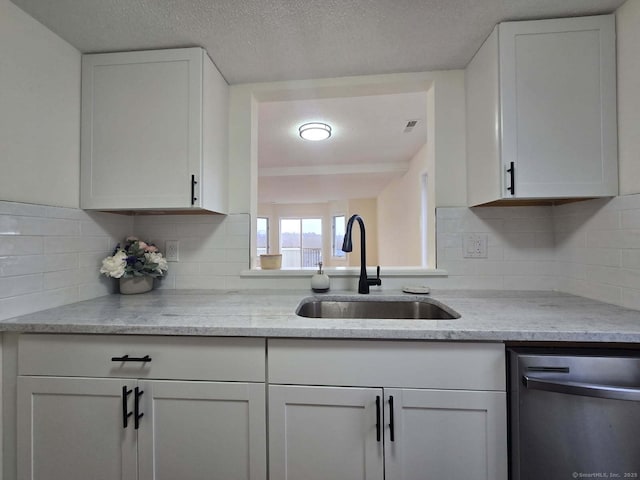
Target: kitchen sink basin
column 395, row 307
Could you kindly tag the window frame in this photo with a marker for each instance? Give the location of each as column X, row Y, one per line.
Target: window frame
column 334, row 247
column 268, row 246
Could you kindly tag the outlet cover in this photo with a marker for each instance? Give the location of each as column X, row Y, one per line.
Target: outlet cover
column 171, row 250
column 475, row 245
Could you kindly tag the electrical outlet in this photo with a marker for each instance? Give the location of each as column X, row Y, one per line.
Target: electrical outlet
column 171, row 250
column 475, row 245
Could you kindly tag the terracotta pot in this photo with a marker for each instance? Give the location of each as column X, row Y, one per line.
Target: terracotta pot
column 133, row 285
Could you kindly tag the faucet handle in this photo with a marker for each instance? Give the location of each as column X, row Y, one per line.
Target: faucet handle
column 377, row 280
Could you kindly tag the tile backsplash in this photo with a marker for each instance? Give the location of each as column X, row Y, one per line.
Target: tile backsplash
column 520, row 253
column 598, row 249
column 50, row 256
column 589, row 248
column 213, row 249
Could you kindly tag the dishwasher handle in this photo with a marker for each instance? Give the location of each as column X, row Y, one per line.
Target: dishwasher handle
column 584, row 389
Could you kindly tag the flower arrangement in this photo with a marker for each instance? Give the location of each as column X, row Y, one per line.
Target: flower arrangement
column 135, row 259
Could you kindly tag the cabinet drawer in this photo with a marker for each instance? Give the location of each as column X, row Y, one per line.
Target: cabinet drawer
column 442, row 365
column 179, row 358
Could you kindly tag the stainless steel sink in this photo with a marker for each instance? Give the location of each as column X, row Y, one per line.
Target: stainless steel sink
column 390, row 307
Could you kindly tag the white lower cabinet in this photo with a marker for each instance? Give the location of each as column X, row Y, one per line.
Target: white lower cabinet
column 445, row 434
column 202, row 431
column 71, row 428
column 351, row 433
column 320, row 433
column 109, row 407
column 121, row 428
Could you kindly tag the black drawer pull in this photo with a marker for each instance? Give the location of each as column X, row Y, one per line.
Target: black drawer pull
column 194, row 182
column 136, row 408
column 512, row 176
column 392, row 426
column 127, row 358
column 125, row 410
column 378, row 418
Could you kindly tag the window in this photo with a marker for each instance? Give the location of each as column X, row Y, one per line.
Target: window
column 262, row 234
column 300, row 242
column 338, row 228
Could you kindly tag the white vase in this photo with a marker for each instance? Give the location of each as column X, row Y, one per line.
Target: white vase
column 133, row 285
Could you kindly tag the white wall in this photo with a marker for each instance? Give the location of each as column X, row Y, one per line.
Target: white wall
column 39, row 112
column 400, row 214
column 448, row 139
column 367, row 208
column 628, row 35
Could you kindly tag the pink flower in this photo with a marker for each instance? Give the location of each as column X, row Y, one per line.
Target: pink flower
column 142, row 244
column 151, row 249
column 131, row 238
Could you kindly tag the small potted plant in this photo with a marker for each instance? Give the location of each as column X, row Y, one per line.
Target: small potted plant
column 135, row 264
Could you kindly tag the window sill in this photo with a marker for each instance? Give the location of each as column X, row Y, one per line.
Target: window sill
column 346, row 272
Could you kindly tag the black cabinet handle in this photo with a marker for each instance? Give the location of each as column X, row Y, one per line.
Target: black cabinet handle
column 127, row 358
column 136, row 408
column 193, row 189
column 125, row 410
column 378, row 418
column 392, row 427
column 512, row 174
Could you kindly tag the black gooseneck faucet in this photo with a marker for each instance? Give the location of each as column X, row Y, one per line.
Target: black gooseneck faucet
column 347, row 246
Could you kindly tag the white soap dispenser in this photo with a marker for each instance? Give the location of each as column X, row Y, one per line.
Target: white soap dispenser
column 320, row 281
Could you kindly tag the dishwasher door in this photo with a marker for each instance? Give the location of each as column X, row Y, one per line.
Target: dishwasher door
column 574, row 414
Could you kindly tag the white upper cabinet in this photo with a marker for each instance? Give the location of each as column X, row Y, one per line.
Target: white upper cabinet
column 154, row 131
column 541, row 111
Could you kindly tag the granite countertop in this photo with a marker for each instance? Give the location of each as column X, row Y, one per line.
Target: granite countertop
column 485, row 316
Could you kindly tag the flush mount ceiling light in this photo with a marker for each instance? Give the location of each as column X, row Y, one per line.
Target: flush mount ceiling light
column 315, row 131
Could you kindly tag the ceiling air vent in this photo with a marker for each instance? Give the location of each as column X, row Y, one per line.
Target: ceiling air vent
column 410, row 124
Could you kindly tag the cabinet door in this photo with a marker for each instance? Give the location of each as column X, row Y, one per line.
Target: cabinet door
column 141, row 128
column 558, row 101
column 71, row 428
column 202, row 430
column 320, row 433
column 445, row 434
column 483, row 124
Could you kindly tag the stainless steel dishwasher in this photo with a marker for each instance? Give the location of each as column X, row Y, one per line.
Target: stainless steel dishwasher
column 574, row 414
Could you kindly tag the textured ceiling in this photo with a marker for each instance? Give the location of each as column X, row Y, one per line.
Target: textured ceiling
column 269, row 40
column 367, row 129
column 368, row 138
